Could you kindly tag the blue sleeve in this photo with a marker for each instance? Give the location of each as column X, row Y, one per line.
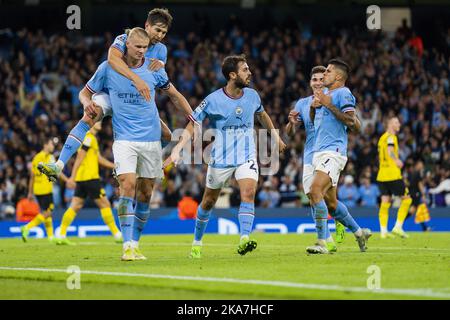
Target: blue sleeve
column 162, row 53
column 346, row 100
column 120, row 43
column 259, row 107
column 299, row 108
column 98, row 80
column 200, row 113
column 162, row 79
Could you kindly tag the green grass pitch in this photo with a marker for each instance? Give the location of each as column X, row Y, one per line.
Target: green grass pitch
column 415, row 268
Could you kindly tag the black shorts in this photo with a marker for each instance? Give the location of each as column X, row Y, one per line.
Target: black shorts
column 416, row 199
column 396, row 188
column 46, row 202
column 90, row 188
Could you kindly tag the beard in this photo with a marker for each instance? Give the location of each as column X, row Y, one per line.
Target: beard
column 240, row 83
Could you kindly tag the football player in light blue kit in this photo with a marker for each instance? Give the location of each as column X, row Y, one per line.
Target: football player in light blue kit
column 300, row 115
column 137, row 133
column 157, row 25
column 333, row 113
column 231, row 111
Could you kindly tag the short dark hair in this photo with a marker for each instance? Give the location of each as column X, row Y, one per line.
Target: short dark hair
column 160, row 15
column 230, row 64
column 317, row 69
column 341, row 65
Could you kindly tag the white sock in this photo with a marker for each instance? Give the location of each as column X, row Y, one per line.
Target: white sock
column 197, row 243
column 244, row 238
column 117, row 235
column 358, row 233
column 383, row 230
column 134, row 244
column 126, row 245
column 330, row 240
column 322, row 242
column 398, row 225
column 60, row 165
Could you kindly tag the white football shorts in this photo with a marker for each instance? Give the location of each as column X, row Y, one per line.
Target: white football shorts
column 307, row 179
column 102, row 99
column 330, row 162
column 142, row 158
column 217, row 178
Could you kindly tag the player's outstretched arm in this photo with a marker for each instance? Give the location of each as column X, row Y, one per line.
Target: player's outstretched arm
column 166, row 132
column 293, row 122
column 115, row 60
column 179, row 101
column 81, row 154
column 267, row 123
column 105, row 162
column 184, row 139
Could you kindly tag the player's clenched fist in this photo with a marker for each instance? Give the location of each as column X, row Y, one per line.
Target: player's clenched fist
column 142, row 87
column 293, row 117
column 91, row 110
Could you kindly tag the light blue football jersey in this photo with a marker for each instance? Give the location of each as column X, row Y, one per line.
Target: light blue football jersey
column 303, row 106
column 134, row 118
column 233, row 121
column 330, row 133
column 156, row 51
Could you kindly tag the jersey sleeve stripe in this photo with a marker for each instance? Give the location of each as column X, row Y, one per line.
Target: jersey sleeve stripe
column 349, row 109
column 165, row 86
column 90, row 89
column 116, row 46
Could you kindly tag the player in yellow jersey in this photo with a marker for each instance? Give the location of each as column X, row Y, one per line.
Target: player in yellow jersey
column 85, row 173
column 390, row 180
column 40, row 187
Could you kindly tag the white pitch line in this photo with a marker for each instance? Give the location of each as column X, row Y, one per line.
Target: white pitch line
column 408, row 292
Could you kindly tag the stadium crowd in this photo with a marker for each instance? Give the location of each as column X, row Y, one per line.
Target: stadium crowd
column 41, row 76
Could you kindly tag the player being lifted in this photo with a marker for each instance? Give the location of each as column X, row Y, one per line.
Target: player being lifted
column 301, row 115
column 390, row 180
column 137, row 134
column 42, row 188
column 333, row 113
column 231, row 111
column 157, row 25
column 85, row 173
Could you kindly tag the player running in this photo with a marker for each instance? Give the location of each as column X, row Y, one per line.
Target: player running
column 333, row 113
column 42, row 188
column 301, row 115
column 85, row 173
column 137, row 135
column 390, row 180
column 231, row 111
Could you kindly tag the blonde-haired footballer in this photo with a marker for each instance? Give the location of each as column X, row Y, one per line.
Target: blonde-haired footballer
column 85, row 173
column 390, row 180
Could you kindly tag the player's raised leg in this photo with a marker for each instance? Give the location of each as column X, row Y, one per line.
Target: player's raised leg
column 340, row 213
column 203, row 214
column 92, row 114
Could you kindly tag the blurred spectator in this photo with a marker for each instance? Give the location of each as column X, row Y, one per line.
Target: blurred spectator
column 288, row 193
column 26, row 210
column 268, row 197
column 368, row 193
column 348, row 192
column 187, row 207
